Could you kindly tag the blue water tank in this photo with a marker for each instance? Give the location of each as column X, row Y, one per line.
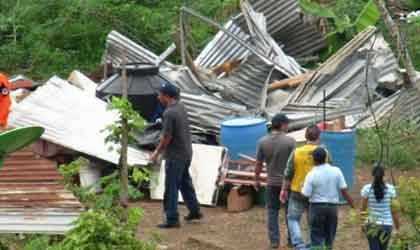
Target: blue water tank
column 342, row 147
column 241, row 135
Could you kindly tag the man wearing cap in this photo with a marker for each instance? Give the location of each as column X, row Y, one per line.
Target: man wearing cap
column 322, row 186
column 274, row 150
column 175, row 143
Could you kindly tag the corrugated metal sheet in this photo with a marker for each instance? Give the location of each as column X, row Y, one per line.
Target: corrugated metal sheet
column 184, row 79
column 71, row 119
column 118, row 46
column 21, row 81
column 343, row 75
column 32, row 198
column 404, row 105
column 301, row 117
column 206, row 112
column 257, row 25
column 246, row 84
column 284, row 24
column 223, row 48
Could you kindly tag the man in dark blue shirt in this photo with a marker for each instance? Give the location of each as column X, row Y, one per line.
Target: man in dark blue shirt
column 175, row 143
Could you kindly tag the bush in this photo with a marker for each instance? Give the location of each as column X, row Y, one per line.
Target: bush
column 408, row 191
column 400, row 145
column 103, row 230
column 42, row 38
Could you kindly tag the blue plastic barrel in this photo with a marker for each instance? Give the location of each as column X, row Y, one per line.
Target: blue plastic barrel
column 342, row 147
column 241, row 135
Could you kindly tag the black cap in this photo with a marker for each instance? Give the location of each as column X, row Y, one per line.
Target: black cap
column 319, row 154
column 279, row 119
column 169, row 90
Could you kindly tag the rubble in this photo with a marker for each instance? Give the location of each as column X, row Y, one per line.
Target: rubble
column 250, row 67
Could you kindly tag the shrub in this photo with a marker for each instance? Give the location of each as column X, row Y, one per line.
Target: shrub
column 400, row 145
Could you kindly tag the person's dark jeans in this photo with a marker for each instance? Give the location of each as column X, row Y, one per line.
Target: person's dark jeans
column 323, row 225
column 177, row 178
column 273, row 207
column 378, row 236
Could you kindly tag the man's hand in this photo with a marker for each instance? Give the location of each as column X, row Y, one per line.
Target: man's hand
column 283, row 195
column 154, row 157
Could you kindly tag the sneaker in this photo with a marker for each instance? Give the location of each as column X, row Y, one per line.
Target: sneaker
column 168, row 225
column 191, row 217
column 274, row 247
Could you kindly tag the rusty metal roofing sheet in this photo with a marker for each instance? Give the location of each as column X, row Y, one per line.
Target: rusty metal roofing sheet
column 32, row 197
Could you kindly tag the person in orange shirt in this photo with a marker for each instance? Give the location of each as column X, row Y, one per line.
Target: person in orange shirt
column 5, row 101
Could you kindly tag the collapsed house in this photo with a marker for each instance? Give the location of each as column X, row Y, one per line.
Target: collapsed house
column 260, row 45
column 250, row 68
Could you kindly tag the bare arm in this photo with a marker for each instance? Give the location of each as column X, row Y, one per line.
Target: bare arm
column 163, row 143
column 258, row 169
column 364, row 204
column 395, row 210
column 347, row 196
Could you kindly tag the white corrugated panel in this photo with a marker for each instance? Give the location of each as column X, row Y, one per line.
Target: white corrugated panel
column 45, row 223
column 71, row 119
column 204, row 171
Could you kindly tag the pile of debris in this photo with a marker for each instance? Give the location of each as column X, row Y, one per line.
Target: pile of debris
column 250, row 67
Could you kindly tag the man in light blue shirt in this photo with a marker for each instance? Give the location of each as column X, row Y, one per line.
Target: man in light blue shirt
column 322, row 187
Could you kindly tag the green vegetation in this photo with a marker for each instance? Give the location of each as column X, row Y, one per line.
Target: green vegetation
column 400, row 150
column 42, row 38
column 342, row 27
column 409, row 237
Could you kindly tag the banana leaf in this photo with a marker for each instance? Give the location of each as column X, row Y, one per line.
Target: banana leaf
column 368, row 17
column 316, row 9
column 15, row 139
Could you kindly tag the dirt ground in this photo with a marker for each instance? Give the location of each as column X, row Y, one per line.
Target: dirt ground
column 220, row 229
